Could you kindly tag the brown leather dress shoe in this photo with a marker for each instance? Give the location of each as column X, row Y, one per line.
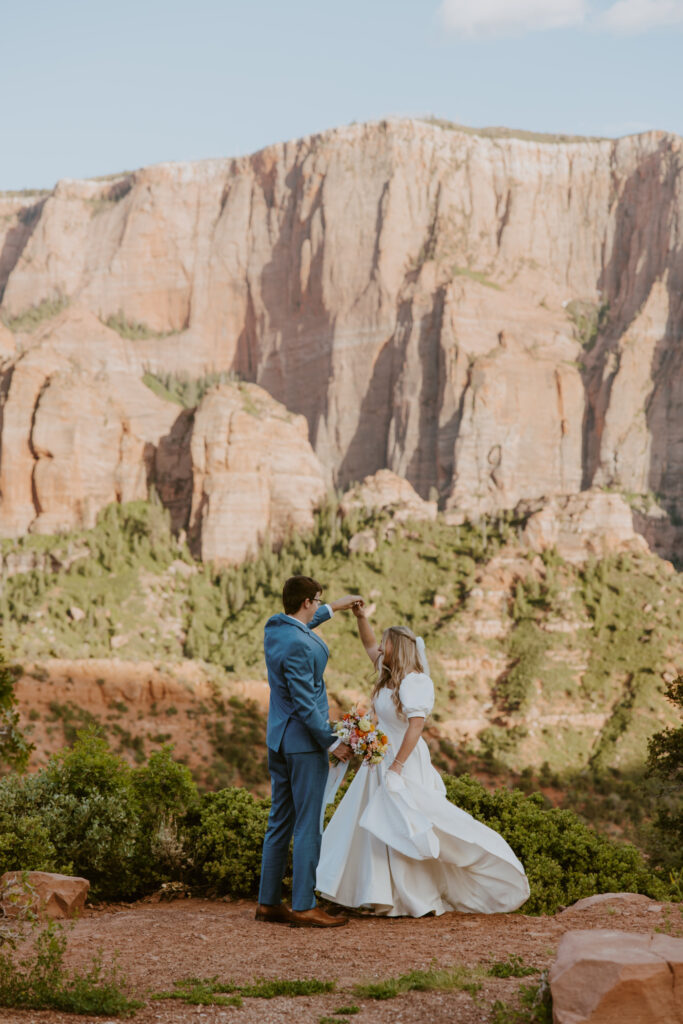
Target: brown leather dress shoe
column 276, row 915
column 315, row 918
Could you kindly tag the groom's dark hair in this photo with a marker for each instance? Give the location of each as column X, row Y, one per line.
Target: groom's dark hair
column 296, row 590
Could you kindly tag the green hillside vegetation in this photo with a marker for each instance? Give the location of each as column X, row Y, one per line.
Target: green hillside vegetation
column 575, row 645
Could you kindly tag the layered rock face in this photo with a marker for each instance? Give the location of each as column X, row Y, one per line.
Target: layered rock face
column 496, row 318
column 81, row 430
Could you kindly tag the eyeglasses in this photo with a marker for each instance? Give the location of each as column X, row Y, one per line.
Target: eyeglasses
column 318, row 600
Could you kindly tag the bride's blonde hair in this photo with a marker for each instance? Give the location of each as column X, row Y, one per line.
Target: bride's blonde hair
column 404, row 659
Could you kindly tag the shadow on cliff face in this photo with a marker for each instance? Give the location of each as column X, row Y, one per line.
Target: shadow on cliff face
column 639, row 257
column 397, row 429
column 290, row 355
column 422, row 468
column 664, row 410
column 171, row 470
column 16, row 241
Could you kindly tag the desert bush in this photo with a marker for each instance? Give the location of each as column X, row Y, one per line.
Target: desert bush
column 665, row 763
column 90, row 814
column 225, row 838
column 37, row 978
column 129, row 829
column 30, row 318
column 86, row 802
column 14, row 747
column 564, row 859
column 165, row 793
column 134, row 330
column 24, row 837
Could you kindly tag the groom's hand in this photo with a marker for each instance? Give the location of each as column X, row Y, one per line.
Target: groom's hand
column 343, row 752
column 344, row 603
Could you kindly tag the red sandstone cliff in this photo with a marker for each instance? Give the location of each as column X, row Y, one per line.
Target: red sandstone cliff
column 493, row 317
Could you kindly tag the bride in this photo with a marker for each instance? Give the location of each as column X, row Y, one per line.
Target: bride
column 395, row 843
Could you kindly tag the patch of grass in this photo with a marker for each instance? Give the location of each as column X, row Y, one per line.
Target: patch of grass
column 185, row 390
column 210, row 991
column 202, row 992
column 134, row 330
column 269, row 988
column 512, row 967
column 436, row 978
column 500, row 132
column 39, row 980
column 589, row 320
column 36, row 315
column 534, row 1007
column 476, row 275
column 346, row 1011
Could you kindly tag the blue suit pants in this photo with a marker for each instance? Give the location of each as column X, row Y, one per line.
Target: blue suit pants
column 298, row 786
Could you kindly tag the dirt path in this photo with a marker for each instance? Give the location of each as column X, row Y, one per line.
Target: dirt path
column 162, row 942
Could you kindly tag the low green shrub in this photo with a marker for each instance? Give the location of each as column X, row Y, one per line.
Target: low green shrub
column 665, row 763
column 564, row 859
column 512, row 967
column 87, row 812
column 129, row 830
column 226, row 837
column 38, row 979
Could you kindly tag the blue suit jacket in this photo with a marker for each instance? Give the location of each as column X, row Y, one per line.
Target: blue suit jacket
column 298, row 716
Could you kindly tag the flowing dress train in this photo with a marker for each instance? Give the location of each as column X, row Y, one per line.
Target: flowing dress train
column 397, row 845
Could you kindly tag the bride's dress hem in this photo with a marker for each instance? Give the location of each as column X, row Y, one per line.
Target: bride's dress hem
column 399, row 846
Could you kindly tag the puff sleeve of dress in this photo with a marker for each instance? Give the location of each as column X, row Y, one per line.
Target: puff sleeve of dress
column 417, row 695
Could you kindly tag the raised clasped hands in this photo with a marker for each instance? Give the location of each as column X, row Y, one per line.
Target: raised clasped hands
column 346, row 602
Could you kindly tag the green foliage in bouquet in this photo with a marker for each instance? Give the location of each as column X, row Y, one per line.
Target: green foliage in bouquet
column 564, row 859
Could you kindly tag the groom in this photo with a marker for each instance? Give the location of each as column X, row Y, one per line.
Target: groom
column 299, row 738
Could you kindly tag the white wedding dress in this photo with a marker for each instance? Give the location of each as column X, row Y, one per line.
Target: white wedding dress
column 399, row 847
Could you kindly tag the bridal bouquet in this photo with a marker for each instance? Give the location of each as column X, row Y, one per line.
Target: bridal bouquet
column 366, row 739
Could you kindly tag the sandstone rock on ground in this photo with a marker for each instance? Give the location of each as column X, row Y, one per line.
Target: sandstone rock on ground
column 45, row 893
column 632, row 899
column 610, row 977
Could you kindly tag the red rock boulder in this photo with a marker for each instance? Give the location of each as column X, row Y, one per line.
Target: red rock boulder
column 611, row 977
column 43, row 892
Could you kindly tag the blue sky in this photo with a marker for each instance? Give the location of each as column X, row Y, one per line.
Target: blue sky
column 91, row 88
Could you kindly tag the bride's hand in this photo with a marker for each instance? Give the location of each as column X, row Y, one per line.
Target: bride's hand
column 358, row 609
column 346, row 602
column 396, row 766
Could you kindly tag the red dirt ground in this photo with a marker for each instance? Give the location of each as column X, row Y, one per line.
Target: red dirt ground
column 158, row 943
